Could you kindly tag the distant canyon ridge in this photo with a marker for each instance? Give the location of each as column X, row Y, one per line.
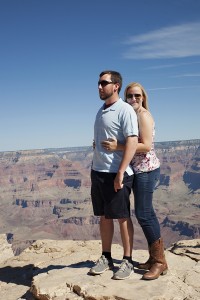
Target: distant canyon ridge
column 46, row 194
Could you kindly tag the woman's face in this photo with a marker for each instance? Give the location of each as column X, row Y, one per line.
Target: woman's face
column 134, row 97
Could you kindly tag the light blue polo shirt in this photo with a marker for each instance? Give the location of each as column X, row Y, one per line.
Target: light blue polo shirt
column 119, row 121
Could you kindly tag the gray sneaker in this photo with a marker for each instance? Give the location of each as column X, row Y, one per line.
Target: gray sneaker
column 101, row 266
column 125, row 270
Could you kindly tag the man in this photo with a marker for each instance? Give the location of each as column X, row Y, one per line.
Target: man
column 111, row 175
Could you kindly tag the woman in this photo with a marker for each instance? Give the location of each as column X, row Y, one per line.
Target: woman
column 146, row 167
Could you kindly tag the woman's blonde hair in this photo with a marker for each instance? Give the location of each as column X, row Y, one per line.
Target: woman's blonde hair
column 144, row 94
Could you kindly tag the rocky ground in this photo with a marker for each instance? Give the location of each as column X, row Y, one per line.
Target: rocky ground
column 58, row 270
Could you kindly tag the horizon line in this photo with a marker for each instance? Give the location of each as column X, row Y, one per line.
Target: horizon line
column 75, row 147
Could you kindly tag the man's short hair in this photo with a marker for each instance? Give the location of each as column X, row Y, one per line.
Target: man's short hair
column 115, row 77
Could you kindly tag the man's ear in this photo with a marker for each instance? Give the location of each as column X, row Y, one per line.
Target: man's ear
column 116, row 87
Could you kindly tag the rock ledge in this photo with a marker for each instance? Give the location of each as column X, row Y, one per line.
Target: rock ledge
column 58, row 270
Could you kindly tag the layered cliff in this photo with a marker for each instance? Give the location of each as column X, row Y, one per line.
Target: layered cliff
column 46, row 194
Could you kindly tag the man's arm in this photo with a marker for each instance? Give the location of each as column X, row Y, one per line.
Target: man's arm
column 129, row 152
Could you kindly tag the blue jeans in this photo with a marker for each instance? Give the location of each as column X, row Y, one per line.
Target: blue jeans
column 143, row 188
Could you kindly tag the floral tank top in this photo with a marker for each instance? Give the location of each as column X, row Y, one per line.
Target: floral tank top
column 145, row 162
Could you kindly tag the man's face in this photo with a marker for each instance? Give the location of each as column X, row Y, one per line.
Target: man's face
column 106, row 87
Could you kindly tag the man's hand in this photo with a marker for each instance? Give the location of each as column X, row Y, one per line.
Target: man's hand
column 93, row 144
column 118, row 182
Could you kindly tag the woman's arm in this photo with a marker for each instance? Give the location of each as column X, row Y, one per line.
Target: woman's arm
column 112, row 145
column 145, row 122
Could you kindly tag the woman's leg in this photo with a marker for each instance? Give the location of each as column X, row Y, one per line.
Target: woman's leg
column 143, row 188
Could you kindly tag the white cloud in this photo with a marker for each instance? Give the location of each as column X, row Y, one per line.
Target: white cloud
column 161, row 67
column 171, row 65
column 187, row 75
column 174, row 87
column 168, row 42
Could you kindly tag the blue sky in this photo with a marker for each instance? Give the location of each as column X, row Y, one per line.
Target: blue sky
column 52, row 51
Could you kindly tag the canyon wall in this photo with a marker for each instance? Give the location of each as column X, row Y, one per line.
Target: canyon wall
column 46, row 194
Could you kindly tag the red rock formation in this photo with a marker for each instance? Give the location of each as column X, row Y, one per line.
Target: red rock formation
column 46, row 193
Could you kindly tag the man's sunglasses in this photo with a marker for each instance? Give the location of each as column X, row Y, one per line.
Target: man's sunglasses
column 130, row 96
column 103, row 83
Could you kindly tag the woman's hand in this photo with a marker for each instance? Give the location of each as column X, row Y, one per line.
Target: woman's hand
column 110, row 144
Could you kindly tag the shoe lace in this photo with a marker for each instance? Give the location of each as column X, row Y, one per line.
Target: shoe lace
column 101, row 260
column 123, row 266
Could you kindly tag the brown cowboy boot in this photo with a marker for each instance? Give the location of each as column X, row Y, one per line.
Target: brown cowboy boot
column 147, row 265
column 159, row 264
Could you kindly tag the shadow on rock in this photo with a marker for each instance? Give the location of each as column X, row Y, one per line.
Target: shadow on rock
column 38, row 271
column 17, row 275
column 82, row 264
column 23, row 275
column 88, row 264
column 28, row 296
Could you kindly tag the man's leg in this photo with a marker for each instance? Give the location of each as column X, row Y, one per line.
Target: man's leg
column 105, row 262
column 127, row 231
column 102, row 191
column 106, row 232
column 126, row 268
